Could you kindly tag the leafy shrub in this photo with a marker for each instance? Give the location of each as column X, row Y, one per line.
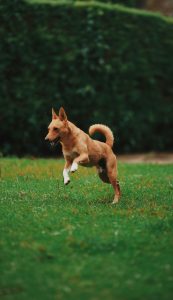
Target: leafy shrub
column 104, row 63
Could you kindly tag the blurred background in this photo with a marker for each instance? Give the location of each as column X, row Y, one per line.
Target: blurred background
column 107, row 62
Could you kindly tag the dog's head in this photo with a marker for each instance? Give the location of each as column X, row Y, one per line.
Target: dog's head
column 58, row 127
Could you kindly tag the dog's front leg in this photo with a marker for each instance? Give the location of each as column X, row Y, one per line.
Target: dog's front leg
column 66, row 171
column 81, row 159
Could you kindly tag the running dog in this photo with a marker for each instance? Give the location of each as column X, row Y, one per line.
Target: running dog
column 79, row 149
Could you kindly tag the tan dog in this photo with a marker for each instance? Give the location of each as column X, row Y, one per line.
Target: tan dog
column 79, row 149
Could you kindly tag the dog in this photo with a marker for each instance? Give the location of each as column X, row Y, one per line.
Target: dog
column 79, row 149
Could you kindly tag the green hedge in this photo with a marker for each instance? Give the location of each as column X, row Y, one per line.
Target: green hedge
column 103, row 63
column 129, row 3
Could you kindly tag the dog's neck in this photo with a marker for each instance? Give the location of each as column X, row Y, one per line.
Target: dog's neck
column 69, row 139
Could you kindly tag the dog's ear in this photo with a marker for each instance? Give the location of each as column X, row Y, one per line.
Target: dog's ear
column 54, row 115
column 62, row 114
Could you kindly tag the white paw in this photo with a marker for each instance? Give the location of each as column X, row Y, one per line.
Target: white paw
column 74, row 167
column 66, row 181
column 115, row 201
column 65, row 176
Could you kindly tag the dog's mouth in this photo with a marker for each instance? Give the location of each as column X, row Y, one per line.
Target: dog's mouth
column 55, row 142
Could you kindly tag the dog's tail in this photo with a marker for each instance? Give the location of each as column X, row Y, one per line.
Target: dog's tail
column 104, row 130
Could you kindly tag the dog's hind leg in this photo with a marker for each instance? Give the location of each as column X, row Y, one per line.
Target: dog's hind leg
column 103, row 174
column 116, row 187
column 66, row 171
column 112, row 174
column 102, row 170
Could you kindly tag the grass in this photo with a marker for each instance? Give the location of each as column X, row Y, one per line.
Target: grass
column 70, row 243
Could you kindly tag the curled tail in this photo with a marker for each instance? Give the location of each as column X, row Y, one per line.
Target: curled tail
column 105, row 131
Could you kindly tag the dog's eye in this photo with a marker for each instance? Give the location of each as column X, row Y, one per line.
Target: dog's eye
column 55, row 129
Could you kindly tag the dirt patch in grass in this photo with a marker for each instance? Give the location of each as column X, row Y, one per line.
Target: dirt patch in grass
column 152, row 157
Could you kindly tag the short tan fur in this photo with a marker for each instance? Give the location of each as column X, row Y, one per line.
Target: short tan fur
column 79, row 149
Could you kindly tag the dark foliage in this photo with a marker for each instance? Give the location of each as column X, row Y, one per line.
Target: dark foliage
column 104, row 63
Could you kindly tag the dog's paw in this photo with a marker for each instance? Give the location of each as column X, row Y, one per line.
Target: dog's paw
column 74, row 167
column 66, row 181
column 115, row 201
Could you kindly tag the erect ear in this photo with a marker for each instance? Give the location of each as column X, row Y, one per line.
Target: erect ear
column 62, row 114
column 54, row 115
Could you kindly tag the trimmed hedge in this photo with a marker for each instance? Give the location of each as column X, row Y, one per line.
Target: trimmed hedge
column 129, row 3
column 104, row 63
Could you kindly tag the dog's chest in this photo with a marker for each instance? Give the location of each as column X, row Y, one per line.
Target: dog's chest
column 72, row 153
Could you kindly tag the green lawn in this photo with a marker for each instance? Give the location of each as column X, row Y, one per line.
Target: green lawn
column 70, row 243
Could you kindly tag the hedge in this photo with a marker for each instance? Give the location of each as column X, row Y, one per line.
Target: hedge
column 129, row 3
column 104, row 63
